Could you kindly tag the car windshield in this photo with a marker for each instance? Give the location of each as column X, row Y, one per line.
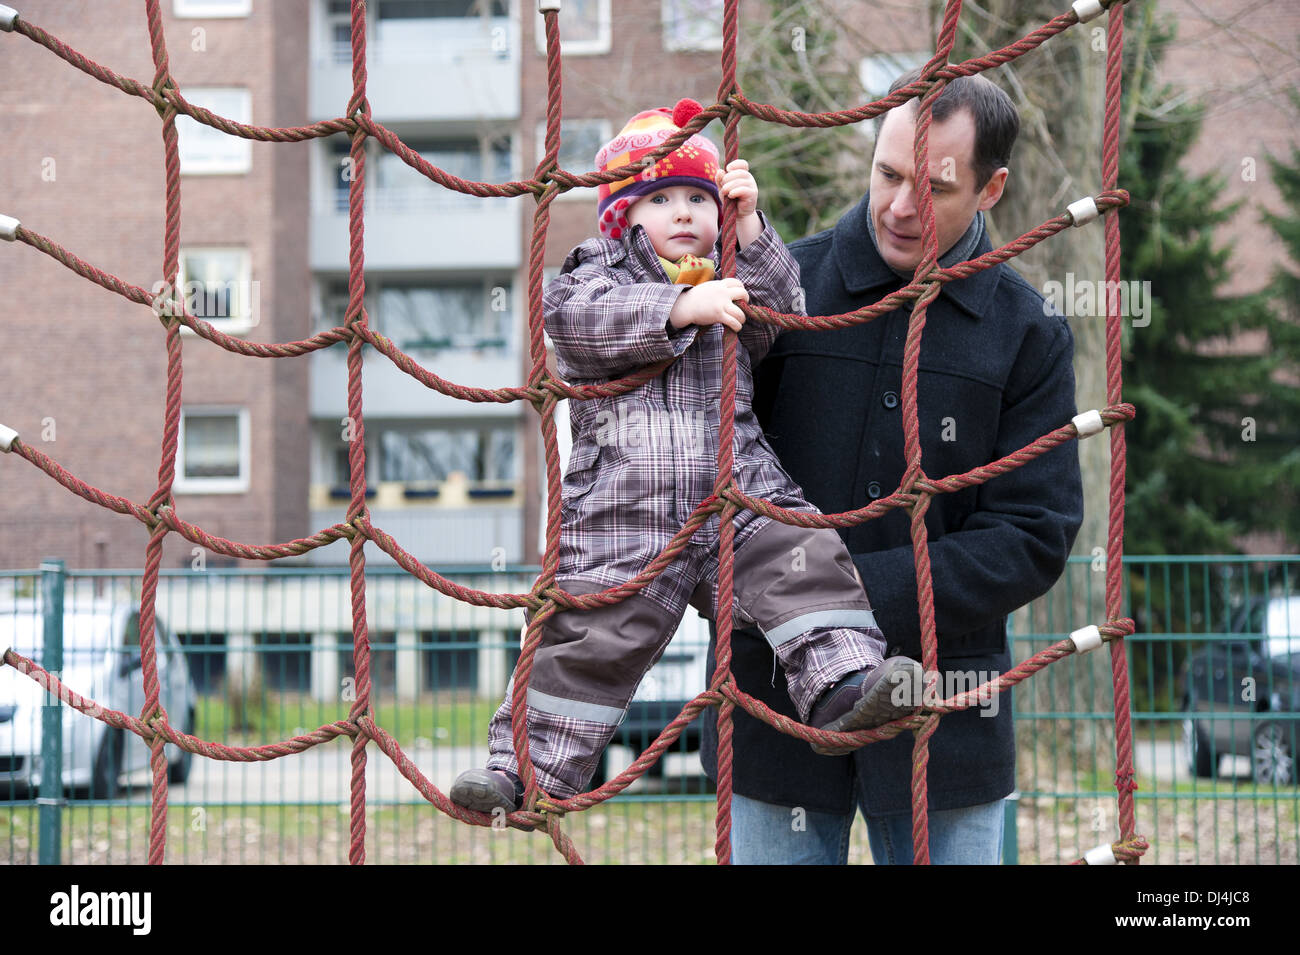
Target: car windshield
column 84, row 634
column 1282, row 627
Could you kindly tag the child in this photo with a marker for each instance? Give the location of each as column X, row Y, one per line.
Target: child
column 642, row 461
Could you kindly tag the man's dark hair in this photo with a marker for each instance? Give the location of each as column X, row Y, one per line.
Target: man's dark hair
column 997, row 124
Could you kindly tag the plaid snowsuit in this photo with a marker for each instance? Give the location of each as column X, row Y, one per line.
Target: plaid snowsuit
column 641, row 462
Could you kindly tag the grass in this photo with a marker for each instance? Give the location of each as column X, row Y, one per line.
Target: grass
column 453, row 722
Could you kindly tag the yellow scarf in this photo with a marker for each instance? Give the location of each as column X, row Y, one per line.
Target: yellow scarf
column 688, row 270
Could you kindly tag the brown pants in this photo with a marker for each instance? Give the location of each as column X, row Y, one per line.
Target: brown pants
column 798, row 585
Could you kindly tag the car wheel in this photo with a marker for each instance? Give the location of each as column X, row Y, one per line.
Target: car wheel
column 179, row 771
column 1196, row 746
column 1273, row 755
column 105, row 779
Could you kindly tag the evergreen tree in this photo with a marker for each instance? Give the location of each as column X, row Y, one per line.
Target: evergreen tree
column 1280, row 430
column 1215, row 409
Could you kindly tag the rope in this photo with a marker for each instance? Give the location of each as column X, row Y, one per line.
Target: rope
column 543, row 391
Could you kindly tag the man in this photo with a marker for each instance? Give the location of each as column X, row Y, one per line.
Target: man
column 995, row 373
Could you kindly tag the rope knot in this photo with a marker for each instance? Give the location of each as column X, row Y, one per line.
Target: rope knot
column 161, row 101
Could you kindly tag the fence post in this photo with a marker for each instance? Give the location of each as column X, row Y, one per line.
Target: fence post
column 1010, row 845
column 50, row 801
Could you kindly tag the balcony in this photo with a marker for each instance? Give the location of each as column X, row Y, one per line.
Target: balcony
column 391, row 393
column 420, row 69
column 422, row 227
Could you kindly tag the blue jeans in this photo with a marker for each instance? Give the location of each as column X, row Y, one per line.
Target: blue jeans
column 766, row 834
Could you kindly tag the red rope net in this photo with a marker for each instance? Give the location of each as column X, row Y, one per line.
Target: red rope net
column 543, row 391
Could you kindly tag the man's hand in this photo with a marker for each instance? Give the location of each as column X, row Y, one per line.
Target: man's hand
column 710, row 303
column 737, row 182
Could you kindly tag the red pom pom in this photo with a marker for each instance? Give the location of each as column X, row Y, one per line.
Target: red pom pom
column 685, row 111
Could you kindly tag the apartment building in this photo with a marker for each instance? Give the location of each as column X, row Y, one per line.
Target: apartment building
column 264, row 442
column 83, row 377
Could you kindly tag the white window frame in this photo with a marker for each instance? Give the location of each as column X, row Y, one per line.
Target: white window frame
column 201, row 485
column 235, row 325
column 211, row 9
column 539, row 140
column 675, row 44
column 571, row 47
column 233, row 102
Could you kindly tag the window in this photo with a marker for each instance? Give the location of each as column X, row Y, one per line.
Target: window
column 584, row 27
column 213, row 454
column 485, row 454
column 879, row 71
column 692, row 24
column 423, row 315
column 286, row 661
column 212, row 9
column 216, row 286
column 341, row 485
column 393, row 186
column 440, row 9
column 398, row 187
column 580, row 140
column 418, row 31
column 338, row 28
column 206, row 151
column 450, row 660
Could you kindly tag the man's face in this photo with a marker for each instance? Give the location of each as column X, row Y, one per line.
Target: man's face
column 678, row 220
column 952, row 184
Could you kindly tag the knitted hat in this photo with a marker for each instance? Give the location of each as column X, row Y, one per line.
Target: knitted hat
column 694, row 163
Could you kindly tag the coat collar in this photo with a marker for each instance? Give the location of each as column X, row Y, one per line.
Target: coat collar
column 635, row 248
column 862, row 269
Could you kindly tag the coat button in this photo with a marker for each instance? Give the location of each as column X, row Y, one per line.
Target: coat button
column 873, row 490
column 889, row 399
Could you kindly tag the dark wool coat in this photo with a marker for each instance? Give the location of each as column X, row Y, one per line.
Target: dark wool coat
column 995, row 373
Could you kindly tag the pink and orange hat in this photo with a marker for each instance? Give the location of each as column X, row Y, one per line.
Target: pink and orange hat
column 694, row 163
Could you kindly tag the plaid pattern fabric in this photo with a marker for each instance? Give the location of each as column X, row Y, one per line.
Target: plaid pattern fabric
column 815, row 661
column 640, row 464
column 564, row 750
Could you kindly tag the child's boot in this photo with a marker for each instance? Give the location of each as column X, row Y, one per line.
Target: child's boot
column 868, row 698
column 487, row 790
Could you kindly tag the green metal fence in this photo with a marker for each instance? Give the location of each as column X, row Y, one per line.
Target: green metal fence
column 1215, row 699
column 258, row 656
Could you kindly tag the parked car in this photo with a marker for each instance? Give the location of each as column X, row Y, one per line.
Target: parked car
column 1242, row 695
column 101, row 660
column 677, row 677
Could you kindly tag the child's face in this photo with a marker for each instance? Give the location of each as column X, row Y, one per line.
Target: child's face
column 678, row 220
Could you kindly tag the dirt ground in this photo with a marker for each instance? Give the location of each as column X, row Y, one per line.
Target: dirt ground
column 1050, row 831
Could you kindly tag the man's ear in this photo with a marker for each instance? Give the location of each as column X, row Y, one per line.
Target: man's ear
column 992, row 190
